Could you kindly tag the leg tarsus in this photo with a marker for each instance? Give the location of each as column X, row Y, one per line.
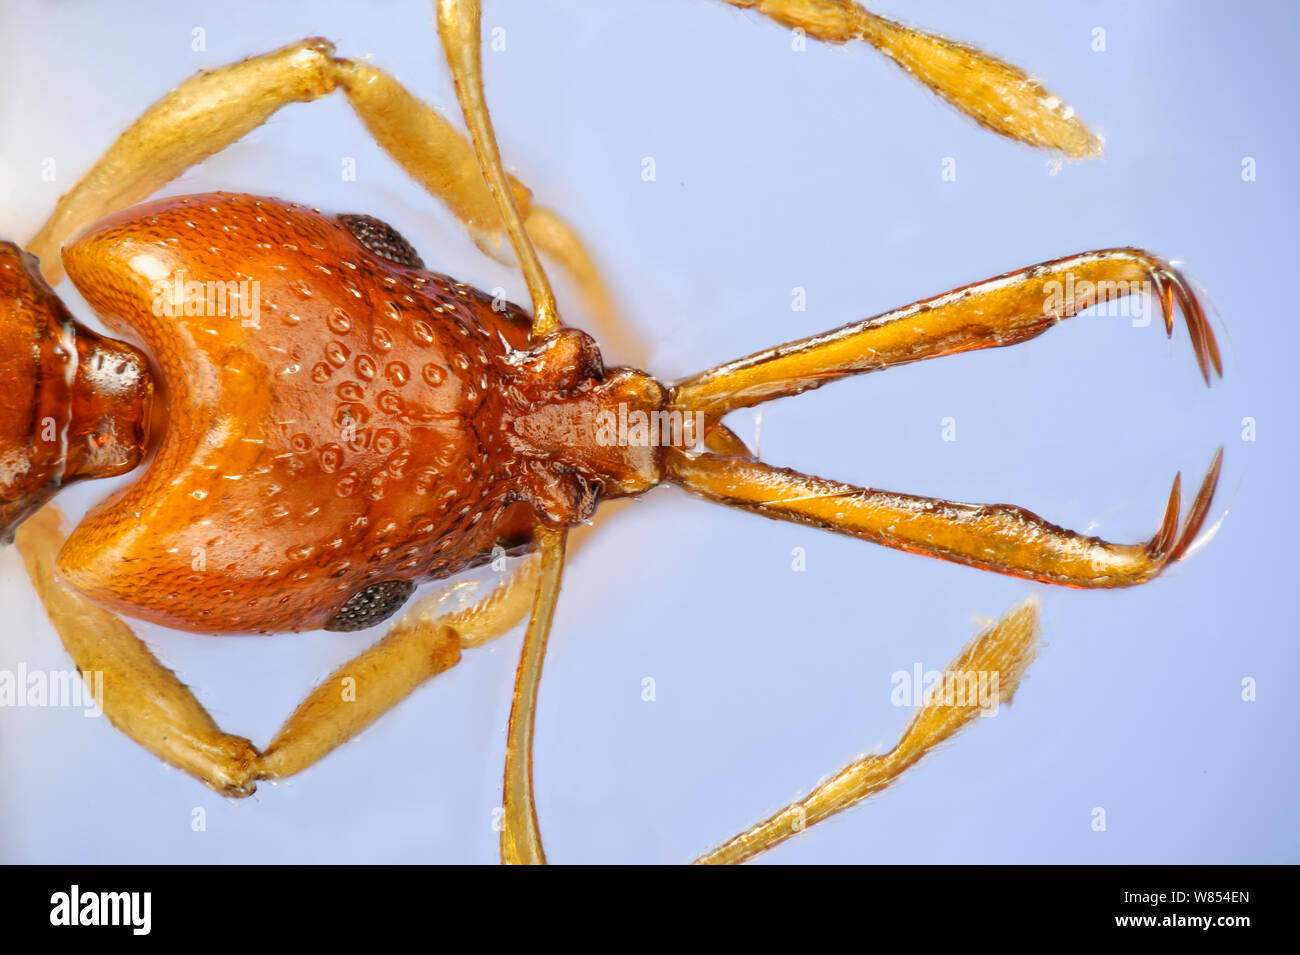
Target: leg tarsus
column 1000, row 97
column 997, row 659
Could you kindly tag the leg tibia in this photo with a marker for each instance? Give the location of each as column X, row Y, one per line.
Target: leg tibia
column 424, row 643
column 202, row 116
column 429, row 148
column 146, row 701
column 358, row 693
column 141, row 697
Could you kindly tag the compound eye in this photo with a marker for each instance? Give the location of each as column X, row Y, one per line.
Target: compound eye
column 372, row 604
column 382, row 239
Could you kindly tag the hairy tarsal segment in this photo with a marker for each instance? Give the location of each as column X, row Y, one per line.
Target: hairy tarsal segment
column 1000, row 97
column 999, row 656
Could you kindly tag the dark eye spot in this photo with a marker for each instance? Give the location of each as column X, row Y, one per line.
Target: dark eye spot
column 382, row 239
column 371, row 605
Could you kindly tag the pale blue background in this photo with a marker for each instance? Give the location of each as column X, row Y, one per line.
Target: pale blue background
column 775, row 169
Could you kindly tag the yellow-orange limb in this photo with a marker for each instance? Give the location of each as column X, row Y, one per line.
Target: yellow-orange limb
column 1005, row 310
column 428, row 147
column 422, row 644
column 997, row 95
column 145, row 700
column 997, row 537
column 444, row 162
column 201, row 116
column 1002, row 652
column 215, row 108
column 458, row 26
column 140, row 696
column 521, row 838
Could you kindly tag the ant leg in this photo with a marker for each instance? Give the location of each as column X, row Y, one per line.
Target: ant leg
column 998, row 537
column 141, row 697
column 215, row 108
column 201, row 116
column 989, row 668
column 997, row 95
column 146, row 701
column 1005, row 310
column 459, row 28
column 442, row 160
column 422, row 644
